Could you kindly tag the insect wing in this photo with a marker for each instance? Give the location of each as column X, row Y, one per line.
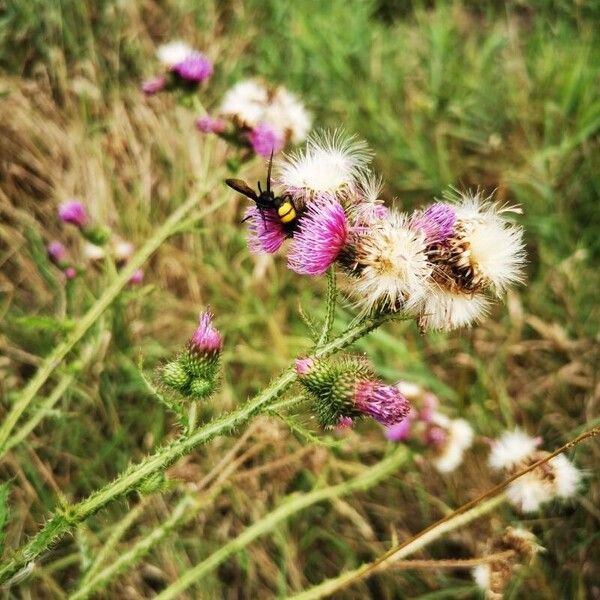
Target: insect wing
column 242, row 187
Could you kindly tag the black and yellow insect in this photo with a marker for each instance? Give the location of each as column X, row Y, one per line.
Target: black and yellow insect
column 267, row 201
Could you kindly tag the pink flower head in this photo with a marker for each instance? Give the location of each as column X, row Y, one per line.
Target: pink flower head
column 436, row 436
column 400, row 431
column 266, row 139
column 367, row 213
column 436, row 222
column 208, row 124
column 57, row 252
column 137, row 277
column 304, row 366
column 206, row 338
column 345, row 423
column 322, row 233
column 383, row 402
column 154, row 85
column 265, row 231
column 196, row 67
column 70, row 273
column 73, row 212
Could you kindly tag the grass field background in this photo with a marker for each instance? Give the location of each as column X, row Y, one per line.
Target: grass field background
column 504, row 96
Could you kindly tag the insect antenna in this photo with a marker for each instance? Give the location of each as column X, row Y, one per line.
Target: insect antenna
column 269, row 172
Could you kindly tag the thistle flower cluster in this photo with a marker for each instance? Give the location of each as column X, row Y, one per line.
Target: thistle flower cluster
column 98, row 243
column 260, row 117
column 345, row 389
column 446, row 439
column 194, row 372
column 185, row 68
column 557, row 478
column 516, row 547
column 443, row 264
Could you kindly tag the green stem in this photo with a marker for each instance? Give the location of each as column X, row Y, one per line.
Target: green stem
column 69, row 517
column 330, row 308
column 288, row 507
column 53, row 360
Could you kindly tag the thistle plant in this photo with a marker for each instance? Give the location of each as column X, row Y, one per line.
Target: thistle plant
column 441, row 266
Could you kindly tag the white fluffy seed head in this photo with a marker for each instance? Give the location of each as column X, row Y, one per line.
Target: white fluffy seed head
column 529, row 492
column 567, row 476
column 495, row 246
column 390, row 266
column 287, row 113
column 511, row 448
column 330, row 163
column 481, row 576
column 459, row 438
column 445, row 309
column 173, row 53
column 246, row 102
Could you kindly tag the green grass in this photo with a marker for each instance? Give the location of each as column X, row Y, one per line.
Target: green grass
column 504, row 96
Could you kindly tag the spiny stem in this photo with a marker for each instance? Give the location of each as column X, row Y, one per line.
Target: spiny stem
column 53, row 360
column 330, row 307
column 466, row 513
column 289, row 506
column 69, row 517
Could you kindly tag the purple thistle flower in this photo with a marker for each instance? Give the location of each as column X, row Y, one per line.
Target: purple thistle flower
column 368, row 213
column 265, row 138
column 436, row 222
column 383, row 402
column 73, row 212
column 154, row 85
column 345, row 423
column 70, row 273
column 137, row 277
column 206, row 338
column 208, row 124
column 57, row 252
column 400, row 431
column 265, row 231
column 322, row 233
column 196, row 67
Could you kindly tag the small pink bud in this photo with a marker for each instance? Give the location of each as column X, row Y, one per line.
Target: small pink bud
column 137, row 277
column 208, row 124
column 304, row 365
column 154, row 85
column 206, row 338
column 57, row 252
column 73, row 212
column 70, row 273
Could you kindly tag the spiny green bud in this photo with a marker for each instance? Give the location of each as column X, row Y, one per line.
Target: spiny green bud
column 176, row 376
column 346, row 389
column 201, row 388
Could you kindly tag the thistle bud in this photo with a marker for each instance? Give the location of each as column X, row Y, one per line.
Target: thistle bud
column 347, row 390
column 175, row 376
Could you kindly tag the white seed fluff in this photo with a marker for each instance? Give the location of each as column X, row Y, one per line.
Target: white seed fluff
column 511, row 448
column 444, row 309
column 173, row 53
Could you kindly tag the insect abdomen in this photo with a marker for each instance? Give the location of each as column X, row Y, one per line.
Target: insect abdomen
column 286, row 212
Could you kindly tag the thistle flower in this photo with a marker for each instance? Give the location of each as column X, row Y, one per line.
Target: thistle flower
column 331, row 163
column 208, row 124
column 154, row 85
column 450, row 437
column 173, row 53
column 399, row 432
column 193, row 373
column 388, row 266
column 485, row 251
column 245, row 102
column 321, row 235
column 195, row 67
column 436, row 222
column 348, row 389
column 287, row 113
column 57, row 253
column 556, row 478
column 266, row 140
column 73, row 212
column 266, row 232
column 445, row 309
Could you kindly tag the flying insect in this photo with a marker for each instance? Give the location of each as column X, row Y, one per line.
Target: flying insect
column 266, row 200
